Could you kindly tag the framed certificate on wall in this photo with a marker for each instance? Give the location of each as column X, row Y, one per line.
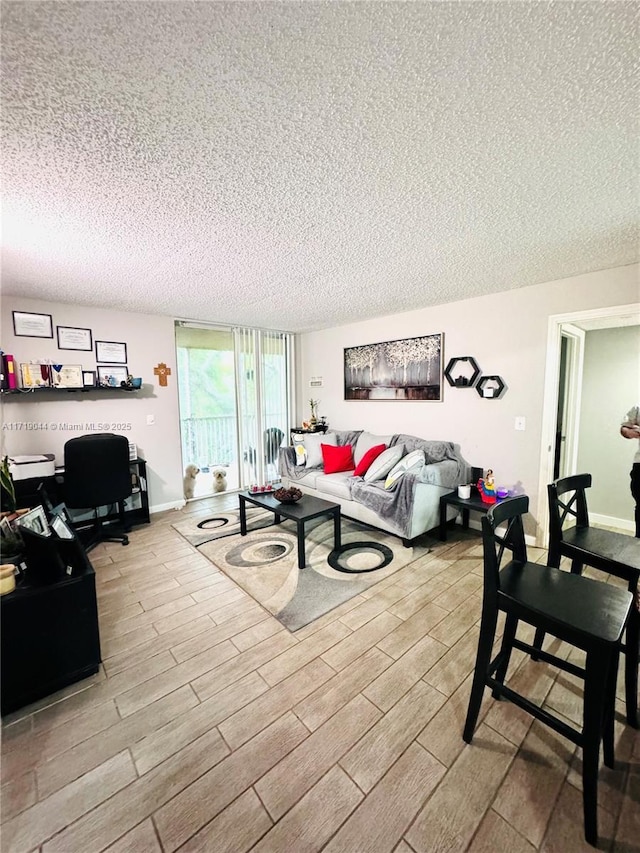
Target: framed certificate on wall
column 111, row 352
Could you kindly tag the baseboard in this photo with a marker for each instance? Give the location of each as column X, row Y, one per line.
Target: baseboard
column 610, row 521
column 164, row 507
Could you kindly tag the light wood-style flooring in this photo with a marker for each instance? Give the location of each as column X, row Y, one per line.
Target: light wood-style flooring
column 210, row 727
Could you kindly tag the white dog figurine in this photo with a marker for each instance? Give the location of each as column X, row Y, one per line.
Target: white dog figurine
column 219, row 480
column 189, row 481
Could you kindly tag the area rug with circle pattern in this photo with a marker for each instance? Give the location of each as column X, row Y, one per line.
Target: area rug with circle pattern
column 265, row 562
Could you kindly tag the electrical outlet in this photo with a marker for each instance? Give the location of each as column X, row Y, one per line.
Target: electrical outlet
column 521, row 423
column 151, row 419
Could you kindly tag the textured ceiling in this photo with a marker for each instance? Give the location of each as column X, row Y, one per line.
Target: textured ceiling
column 303, row 165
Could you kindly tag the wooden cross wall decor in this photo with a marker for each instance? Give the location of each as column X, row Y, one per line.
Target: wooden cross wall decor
column 162, row 371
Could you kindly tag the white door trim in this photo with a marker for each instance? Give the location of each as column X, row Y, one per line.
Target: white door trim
column 573, row 396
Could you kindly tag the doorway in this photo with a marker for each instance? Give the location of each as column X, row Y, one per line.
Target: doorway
column 563, row 393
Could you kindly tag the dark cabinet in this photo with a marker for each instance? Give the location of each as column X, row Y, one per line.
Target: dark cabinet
column 50, row 637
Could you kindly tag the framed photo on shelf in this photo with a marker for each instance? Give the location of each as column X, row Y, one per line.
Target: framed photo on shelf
column 111, row 352
column 112, row 375
column 67, row 376
column 72, row 337
column 26, row 324
column 89, row 378
column 35, row 375
column 61, row 528
column 35, row 520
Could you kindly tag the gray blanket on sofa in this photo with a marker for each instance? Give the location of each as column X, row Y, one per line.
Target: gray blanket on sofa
column 396, row 505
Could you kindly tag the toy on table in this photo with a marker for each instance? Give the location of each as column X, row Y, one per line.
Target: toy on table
column 487, row 488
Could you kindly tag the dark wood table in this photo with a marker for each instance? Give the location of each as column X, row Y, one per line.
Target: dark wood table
column 307, row 508
column 467, row 505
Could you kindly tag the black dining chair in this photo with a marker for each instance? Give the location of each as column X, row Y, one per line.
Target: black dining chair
column 618, row 554
column 584, row 613
column 97, row 474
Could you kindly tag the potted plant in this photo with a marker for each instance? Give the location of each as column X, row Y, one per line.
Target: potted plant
column 8, row 489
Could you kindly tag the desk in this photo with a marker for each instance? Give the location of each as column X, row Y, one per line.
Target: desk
column 136, row 508
column 467, row 505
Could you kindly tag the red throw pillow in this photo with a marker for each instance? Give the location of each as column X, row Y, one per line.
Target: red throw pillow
column 337, row 458
column 363, row 465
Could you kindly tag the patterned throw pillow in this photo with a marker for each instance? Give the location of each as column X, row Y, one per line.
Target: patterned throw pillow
column 300, row 449
column 415, row 459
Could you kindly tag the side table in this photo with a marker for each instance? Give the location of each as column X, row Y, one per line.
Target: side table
column 467, row 505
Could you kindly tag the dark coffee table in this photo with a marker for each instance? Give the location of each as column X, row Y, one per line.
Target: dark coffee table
column 304, row 510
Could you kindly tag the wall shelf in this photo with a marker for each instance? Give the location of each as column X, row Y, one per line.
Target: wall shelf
column 497, row 387
column 29, row 394
column 462, row 380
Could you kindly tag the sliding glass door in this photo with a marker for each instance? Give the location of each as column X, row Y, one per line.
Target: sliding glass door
column 235, row 392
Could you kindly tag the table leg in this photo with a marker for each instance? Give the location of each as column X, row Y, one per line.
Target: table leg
column 443, row 520
column 302, row 561
column 337, row 535
column 243, row 516
column 465, row 518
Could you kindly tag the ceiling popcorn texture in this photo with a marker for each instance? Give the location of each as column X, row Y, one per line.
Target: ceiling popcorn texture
column 302, row 165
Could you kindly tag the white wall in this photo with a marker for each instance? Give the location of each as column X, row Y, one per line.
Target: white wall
column 505, row 332
column 610, row 386
column 150, row 340
column 507, row 335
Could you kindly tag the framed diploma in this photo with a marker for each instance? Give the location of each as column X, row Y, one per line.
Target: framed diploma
column 71, row 337
column 111, row 352
column 26, row 324
column 67, row 376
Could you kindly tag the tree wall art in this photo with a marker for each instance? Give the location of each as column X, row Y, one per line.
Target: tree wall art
column 408, row 369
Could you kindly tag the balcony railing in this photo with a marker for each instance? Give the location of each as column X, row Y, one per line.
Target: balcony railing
column 207, row 442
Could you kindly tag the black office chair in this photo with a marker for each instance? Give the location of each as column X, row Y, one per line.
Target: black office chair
column 614, row 553
column 97, row 474
column 584, row 613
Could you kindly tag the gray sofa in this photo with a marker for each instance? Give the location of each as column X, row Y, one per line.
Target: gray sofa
column 407, row 508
